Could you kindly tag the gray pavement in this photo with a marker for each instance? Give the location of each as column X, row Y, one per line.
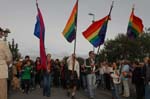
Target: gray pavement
column 59, row 93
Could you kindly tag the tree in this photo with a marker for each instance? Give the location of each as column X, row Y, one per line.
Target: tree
column 14, row 50
column 123, row 47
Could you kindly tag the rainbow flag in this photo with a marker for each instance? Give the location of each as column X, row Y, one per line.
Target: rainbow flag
column 39, row 31
column 135, row 26
column 70, row 29
column 96, row 32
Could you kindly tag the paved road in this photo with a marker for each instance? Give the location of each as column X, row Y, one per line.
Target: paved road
column 58, row 93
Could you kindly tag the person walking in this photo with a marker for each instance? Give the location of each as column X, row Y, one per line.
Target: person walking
column 91, row 77
column 5, row 60
column 73, row 75
column 47, row 77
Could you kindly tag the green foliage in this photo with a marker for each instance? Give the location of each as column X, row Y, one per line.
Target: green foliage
column 123, row 47
column 14, row 50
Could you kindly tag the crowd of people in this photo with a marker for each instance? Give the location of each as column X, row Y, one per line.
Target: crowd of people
column 121, row 78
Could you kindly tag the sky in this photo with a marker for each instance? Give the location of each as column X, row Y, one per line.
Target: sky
column 20, row 17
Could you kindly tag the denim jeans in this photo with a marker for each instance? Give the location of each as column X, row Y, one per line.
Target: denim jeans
column 84, row 81
column 147, row 92
column 47, row 84
column 32, row 82
column 115, row 91
column 91, row 80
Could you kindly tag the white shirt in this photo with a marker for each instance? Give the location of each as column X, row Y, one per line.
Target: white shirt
column 76, row 65
column 115, row 77
column 101, row 70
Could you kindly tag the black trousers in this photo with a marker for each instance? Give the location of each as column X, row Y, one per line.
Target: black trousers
column 72, row 79
column 107, row 81
column 26, row 85
column 140, row 91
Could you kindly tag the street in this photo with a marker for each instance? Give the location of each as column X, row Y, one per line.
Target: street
column 59, row 93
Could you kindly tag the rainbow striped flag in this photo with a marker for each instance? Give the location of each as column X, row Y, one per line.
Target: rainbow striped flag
column 96, row 32
column 70, row 29
column 135, row 26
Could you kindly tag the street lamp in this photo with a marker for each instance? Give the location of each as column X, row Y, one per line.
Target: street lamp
column 93, row 15
column 93, row 20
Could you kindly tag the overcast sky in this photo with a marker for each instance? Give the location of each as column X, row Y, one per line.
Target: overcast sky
column 20, row 17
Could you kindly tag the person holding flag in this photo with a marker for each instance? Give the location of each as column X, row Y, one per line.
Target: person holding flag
column 46, row 63
column 73, row 75
column 69, row 33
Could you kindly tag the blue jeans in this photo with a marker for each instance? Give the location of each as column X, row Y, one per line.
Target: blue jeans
column 47, row 84
column 115, row 91
column 32, row 82
column 147, row 92
column 91, row 80
column 84, row 81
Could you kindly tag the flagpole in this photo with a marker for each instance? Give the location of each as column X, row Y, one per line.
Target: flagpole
column 76, row 32
column 37, row 3
column 111, row 8
column 74, row 52
column 108, row 19
column 133, row 6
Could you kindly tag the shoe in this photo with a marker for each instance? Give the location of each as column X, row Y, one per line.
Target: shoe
column 44, row 94
column 72, row 97
column 68, row 94
column 48, row 96
column 27, row 92
column 125, row 96
column 23, row 91
column 91, row 98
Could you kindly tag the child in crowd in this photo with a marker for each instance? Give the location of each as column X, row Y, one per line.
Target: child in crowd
column 26, row 76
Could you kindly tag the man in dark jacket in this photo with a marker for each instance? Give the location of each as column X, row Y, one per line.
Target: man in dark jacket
column 91, row 77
